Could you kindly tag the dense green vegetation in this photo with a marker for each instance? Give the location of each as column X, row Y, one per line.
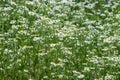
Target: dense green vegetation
column 59, row 40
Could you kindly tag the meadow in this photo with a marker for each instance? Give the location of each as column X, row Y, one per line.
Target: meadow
column 59, row 39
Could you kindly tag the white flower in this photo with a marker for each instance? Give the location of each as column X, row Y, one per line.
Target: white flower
column 81, row 76
column 6, row 51
column 36, row 38
column 12, row 21
column 64, row 1
column 62, row 60
column 45, row 77
column 90, row 6
column 52, row 45
column 30, row 79
column 108, row 77
column 23, row 32
column 14, row 27
column 86, row 69
column 54, row 64
column 29, row 3
column 102, row 15
column 105, row 49
column 76, row 72
column 60, row 64
column 18, row 60
column 7, row 8
column 31, row 13
column 94, row 60
column 60, row 76
column 42, row 54
column 25, row 70
column 13, row 3
column 26, row 47
column 52, row 2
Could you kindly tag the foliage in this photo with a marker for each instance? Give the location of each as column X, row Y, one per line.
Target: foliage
column 59, row 39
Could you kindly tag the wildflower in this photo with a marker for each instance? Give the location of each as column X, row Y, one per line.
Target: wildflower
column 105, row 49
column 108, row 77
column 52, row 45
column 23, row 32
column 117, row 59
column 52, row 2
column 6, row 51
column 90, row 6
column 117, row 16
column 13, row 3
column 81, row 76
column 65, row 1
column 107, row 40
column 14, row 26
column 29, row 3
column 54, row 64
column 36, row 38
column 86, row 69
column 60, row 76
column 94, row 60
column 61, row 64
column 7, row 8
column 12, row 21
column 113, row 47
column 76, row 72
column 42, row 54
column 26, row 47
column 31, row 13
column 102, row 15
column 25, row 70
column 62, row 60
column 100, row 27
column 1, row 69
column 45, row 77
column 18, row 60
column 88, row 42
column 30, row 79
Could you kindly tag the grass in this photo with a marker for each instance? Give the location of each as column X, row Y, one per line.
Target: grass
column 61, row 40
